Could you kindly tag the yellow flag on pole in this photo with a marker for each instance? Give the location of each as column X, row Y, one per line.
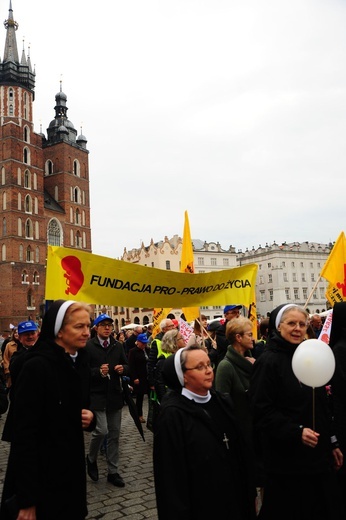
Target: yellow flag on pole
column 252, row 315
column 334, row 270
column 187, row 266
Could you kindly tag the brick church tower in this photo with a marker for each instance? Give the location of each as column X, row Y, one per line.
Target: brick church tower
column 44, row 187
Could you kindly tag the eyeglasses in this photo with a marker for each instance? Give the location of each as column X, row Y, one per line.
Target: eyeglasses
column 106, row 325
column 201, row 366
column 295, row 324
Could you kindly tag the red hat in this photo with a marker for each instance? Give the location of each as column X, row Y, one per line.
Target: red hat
column 176, row 323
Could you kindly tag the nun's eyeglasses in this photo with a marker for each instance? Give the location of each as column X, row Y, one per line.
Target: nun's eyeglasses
column 201, row 366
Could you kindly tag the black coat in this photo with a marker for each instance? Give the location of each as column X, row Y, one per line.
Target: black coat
column 195, row 474
column 138, row 369
column 281, row 406
column 46, row 465
column 106, row 393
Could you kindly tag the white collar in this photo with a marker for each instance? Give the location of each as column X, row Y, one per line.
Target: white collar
column 196, row 397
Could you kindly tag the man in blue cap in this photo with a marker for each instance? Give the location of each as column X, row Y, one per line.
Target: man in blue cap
column 230, row 312
column 108, row 364
column 27, row 335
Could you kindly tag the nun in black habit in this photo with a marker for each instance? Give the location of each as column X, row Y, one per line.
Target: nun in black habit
column 46, row 474
column 200, row 460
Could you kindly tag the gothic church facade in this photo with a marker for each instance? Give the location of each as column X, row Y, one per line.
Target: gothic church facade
column 44, row 187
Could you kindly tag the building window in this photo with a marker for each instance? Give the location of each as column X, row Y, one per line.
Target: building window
column 27, row 179
column 261, row 279
column 77, row 216
column 283, row 264
column 314, row 295
column 54, row 233
column 29, row 255
column 26, row 134
column 4, row 227
column 287, row 294
column 213, row 261
column 270, row 295
column 25, row 277
column 301, row 264
column 29, row 233
column 270, row 278
column 312, row 277
column 30, row 300
column 305, row 293
column 76, row 168
column 21, row 253
column 285, row 277
column 296, row 294
column 269, row 264
column 26, row 155
column 78, row 240
column 303, row 277
column 226, row 262
column 200, row 260
column 262, row 296
column 294, row 275
column 77, row 195
column 28, row 204
column 49, row 167
column 168, row 265
column 36, row 277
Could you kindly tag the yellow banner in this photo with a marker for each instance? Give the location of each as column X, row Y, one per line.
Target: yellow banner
column 76, row 275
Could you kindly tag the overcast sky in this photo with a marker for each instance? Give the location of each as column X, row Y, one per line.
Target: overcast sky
column 234, row 110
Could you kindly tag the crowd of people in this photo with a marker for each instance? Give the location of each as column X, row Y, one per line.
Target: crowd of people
column 233, row 417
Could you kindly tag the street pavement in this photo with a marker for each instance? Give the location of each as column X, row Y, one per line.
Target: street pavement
column 136, row 501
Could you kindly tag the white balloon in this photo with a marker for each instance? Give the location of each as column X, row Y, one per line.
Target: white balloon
column 313, row 363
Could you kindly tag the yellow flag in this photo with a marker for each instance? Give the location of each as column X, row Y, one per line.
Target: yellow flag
column 159, row 315
column 187, row 266
column 334, row 270
column 252, row 315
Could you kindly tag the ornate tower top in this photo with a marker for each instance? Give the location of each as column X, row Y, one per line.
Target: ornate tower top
column 13, row 71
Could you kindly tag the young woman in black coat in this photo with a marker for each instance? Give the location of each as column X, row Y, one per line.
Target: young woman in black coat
column 46, row 474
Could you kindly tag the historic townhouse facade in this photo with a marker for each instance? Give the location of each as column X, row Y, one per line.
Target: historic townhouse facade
column 44, row 187
column 289, row 273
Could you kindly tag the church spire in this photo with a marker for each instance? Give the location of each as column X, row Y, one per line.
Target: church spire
column 13, row 71
column 11, row 51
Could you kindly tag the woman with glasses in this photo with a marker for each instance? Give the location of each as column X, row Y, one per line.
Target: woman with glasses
column 200, row 461
column 293, row 424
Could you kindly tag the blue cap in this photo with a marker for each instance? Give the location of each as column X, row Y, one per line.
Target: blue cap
column 26, row 326
column 231, row 308
column 102, row 317
column 143, row 338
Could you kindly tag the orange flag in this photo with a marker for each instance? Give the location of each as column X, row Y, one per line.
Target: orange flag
column 187, row 266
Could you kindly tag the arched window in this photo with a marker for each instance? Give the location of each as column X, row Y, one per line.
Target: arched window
column 28, row 229
column 37, row 254
column 26, row 155
column 3, row 176
column 76, row 168
column 26, row 134
column 28, row 204
column 29, row 255
column 25, row 278
column 77, row 216
column 4, row 227
column 20, row 228
column 3, row 252
column 54, row 233
column 78, row 239
column 36, row 277
column 30, row 299
column 49, row 167
column 77, row 195
column 27, row 179
column 4, row 201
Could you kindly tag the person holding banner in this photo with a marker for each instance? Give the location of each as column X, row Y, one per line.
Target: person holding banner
column 293, row 427
column 230, row 312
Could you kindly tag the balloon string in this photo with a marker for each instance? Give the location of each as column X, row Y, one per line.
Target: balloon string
column 313, row 408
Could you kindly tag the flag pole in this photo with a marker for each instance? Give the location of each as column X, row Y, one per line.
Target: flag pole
column 312, row 291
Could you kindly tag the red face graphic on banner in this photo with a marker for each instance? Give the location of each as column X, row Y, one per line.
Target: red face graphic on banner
column 74, row 274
